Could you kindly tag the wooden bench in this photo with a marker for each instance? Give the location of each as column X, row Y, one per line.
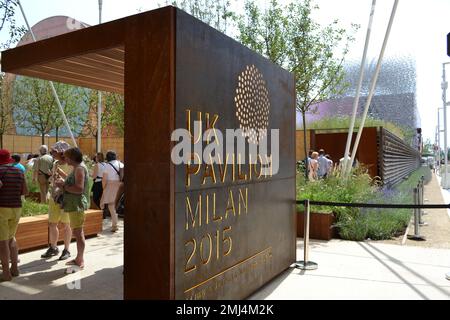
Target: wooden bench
column 32, row 232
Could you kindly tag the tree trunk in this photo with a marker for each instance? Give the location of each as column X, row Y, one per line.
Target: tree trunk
column 1, row 141
column 42, row 139
column 304, row 145
column 57, row 133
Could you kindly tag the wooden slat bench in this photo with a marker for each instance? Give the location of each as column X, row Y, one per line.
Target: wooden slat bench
column 32, row 232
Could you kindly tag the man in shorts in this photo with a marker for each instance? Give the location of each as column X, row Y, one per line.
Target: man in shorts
column 12, row 188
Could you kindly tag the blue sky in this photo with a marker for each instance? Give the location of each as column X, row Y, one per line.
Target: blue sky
column 419, row 29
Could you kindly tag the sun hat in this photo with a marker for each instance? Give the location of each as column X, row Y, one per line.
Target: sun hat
column 61, row 146
column 5, row 157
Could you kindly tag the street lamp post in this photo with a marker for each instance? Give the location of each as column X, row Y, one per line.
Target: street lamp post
column 444, row 181
column 99, row 108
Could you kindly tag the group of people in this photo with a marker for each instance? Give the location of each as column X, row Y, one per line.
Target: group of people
column 63, row 181
column 320, row 165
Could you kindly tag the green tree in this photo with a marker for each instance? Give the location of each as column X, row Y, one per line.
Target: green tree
column 215, row 13
column 288, row 36
column 7, row 21
column 112, row 113
column 74, row 108
column 6, row 106
column 116, row 105
column 37, row 111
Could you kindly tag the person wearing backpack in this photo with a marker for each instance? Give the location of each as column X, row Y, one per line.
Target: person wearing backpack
column 112, row 180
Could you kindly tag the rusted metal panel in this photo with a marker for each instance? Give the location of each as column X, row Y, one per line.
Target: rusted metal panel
column 230, row 253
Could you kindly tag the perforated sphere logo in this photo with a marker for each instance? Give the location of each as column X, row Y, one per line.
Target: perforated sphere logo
column 252, row 104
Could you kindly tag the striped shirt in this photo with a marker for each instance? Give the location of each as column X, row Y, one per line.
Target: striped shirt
column 13, row 181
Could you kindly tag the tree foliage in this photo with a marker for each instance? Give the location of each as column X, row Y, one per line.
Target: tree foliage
column 6, row 106
column 288, row 36
column 37, row 111
column 7, row 21
column 113, row 108
column 216, row 13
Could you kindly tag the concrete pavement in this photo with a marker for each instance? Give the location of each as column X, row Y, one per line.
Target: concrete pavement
column 364, row 270
column 102, row 278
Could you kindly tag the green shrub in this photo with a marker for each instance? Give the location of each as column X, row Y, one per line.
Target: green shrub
column 32, row 187
column 31, row 208
column 361, row 223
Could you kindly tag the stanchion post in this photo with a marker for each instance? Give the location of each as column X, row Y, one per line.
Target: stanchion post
column 306, row 264
column 420, row 202
column 416, row 235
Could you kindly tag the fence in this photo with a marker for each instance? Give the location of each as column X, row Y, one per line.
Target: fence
column 385, row 155
column 30, row 144
column 396, row 159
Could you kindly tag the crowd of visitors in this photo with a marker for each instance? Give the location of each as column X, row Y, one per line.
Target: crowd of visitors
column 320, row 165
column 63, row 180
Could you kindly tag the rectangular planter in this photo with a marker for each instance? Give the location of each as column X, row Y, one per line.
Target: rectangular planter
column 320, row 226
column 32, row 232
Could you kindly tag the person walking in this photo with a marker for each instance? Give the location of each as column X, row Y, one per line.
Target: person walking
column 13, row 187
column 97, row 175
column 323, row 169
column 76, row 202
column 313, row 166
column 112, row 179
column 56, row 214
column 43, row 171
column 330, row 165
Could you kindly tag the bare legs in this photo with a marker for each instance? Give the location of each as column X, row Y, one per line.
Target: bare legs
column 114, row 217
column 54, row 235
column 81, row 243
column 9, row 252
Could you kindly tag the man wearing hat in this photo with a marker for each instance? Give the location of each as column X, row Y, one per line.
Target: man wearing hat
column 13, row 186
column 56, row 214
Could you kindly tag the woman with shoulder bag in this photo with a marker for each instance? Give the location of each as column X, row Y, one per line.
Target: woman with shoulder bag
column 112, row 180
column 76, row 201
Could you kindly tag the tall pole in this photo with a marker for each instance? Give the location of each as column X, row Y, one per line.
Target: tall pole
column 358, row 88
column 439, row 140
column 444, row 181
column 52, row 86
column 99, row 108
column 373, row 84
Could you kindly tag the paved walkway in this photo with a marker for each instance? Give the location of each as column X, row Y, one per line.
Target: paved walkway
column 364, row 270
column 45, row 279
column 437, row 232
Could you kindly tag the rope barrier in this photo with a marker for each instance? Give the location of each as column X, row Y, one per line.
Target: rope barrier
column 376, row 205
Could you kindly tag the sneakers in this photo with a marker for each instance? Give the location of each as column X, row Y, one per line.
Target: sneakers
column 64, row 255
column 51, row 252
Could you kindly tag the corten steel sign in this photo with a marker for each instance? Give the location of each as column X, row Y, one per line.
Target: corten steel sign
column 194, row 230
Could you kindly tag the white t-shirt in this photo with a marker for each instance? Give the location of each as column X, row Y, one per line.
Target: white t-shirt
column 100, row 169
column 109, row 170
